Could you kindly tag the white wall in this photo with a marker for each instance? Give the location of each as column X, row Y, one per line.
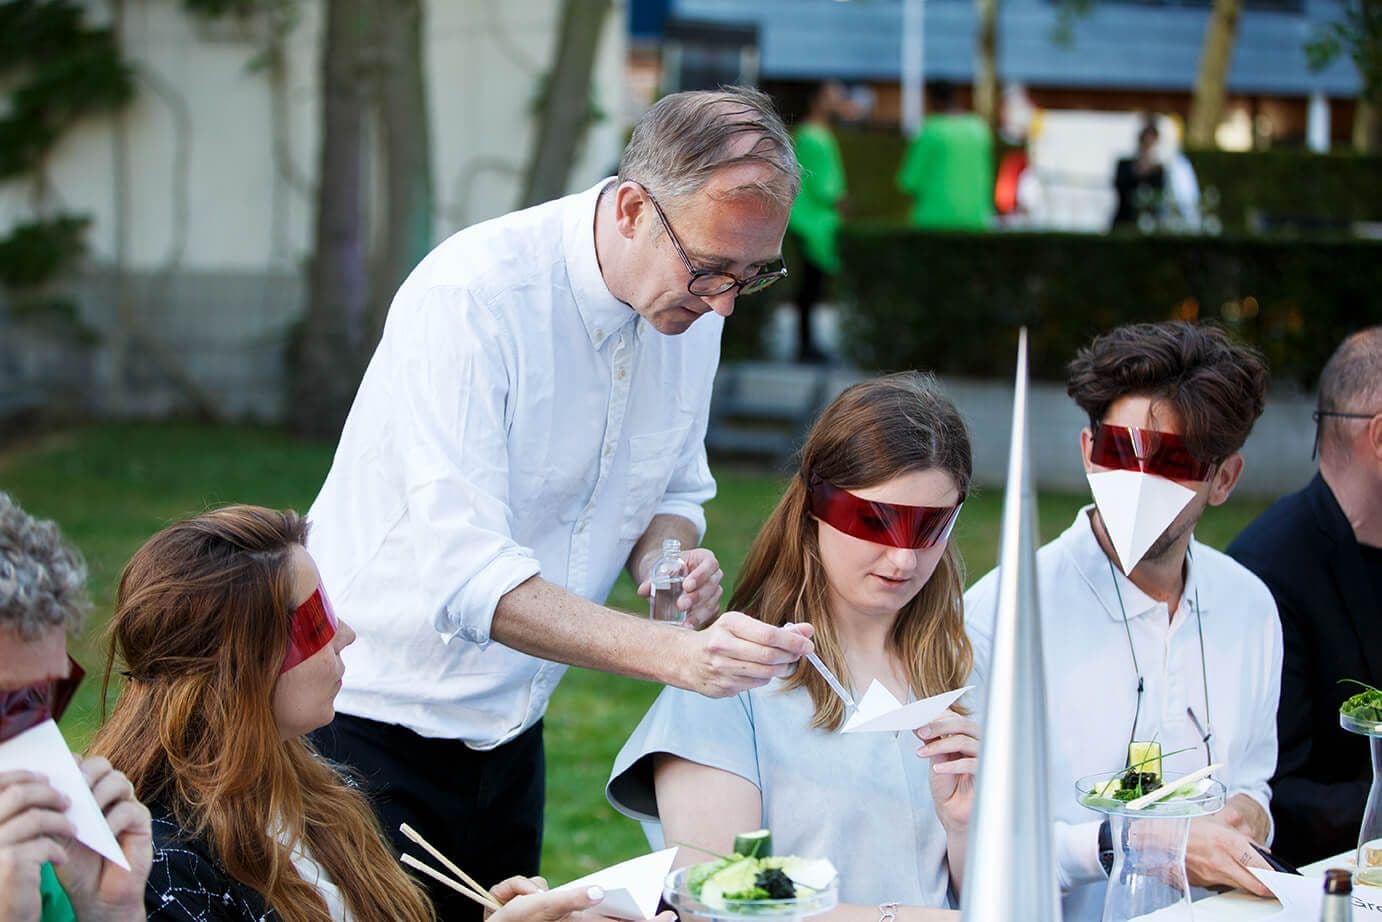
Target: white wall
column 204, row 189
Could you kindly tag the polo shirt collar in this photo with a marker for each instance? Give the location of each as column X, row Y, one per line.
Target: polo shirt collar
column 1101, row 575
column 602, row 313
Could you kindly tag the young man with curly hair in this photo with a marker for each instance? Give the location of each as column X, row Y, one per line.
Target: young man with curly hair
column 1149, row 635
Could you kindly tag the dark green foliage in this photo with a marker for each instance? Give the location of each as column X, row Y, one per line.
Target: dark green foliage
column 953, row 302
column 60, row 70
column 1291, row 191
column 776, row 884
column 37, row 251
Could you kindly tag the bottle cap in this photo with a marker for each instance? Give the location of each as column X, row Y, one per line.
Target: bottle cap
column 1338, row 880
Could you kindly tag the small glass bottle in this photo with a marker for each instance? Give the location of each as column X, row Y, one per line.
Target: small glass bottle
column 666, row 577
column 1338, row 896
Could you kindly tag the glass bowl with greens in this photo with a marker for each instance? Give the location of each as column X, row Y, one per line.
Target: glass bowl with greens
column 1362, row 713
column 753, row 888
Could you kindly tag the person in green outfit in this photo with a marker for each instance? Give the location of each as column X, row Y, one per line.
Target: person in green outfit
column 948, row 169
column 815, row 217
column 45, row 875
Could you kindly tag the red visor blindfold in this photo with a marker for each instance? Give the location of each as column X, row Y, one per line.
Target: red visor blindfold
column 314, row 624
column 882, row 523
column 1128, row 448
column 25, row 708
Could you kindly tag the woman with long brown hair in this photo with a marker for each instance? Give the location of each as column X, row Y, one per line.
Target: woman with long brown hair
column 232, row 653
column 858, row 547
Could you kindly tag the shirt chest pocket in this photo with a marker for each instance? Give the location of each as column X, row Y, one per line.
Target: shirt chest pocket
column 653, row 458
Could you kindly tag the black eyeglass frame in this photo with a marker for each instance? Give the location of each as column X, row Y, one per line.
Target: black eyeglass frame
column 751, row 285
column 1318, row 417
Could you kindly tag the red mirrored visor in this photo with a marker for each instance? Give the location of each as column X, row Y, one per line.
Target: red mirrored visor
column 25, row 708
column 882, row 523
column 314, row 624
column 1128, row 448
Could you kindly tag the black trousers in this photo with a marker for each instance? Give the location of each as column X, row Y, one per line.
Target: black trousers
column 809, row 291
column 483, row 810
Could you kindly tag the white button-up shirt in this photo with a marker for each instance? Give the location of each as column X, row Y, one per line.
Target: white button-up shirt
column 516, row 419
column 1091, row 684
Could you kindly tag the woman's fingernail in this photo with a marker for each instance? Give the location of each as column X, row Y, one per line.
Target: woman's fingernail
column 595, row 893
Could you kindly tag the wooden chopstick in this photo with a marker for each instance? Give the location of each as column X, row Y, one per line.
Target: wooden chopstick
column 480, row 891
column 436, row 875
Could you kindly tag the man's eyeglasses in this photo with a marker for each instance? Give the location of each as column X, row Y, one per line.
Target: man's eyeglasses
column 1319, row 415
column 25, row 708
column 707, row 283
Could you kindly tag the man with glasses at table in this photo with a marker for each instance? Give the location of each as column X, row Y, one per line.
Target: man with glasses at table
column 42, row 601
column 1149, row 635
column 1320, row 553
column 533, row 421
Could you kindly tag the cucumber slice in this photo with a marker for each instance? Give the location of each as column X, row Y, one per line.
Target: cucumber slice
column 756, row 844
column 1145, row 758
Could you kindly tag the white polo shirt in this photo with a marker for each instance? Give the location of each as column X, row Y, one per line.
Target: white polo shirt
column 516, row 419
column 1091, row 684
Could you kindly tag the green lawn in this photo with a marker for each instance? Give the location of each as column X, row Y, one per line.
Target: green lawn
column 110, row 487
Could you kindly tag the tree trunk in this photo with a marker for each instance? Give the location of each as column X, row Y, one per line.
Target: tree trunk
column 407, row 153
column 329, row 363
column 1367, row 126
column 986, row 73
column 1207, row 105
column 565, row 112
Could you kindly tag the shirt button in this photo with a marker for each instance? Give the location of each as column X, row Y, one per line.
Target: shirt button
column 621, row 373
column 609, row 450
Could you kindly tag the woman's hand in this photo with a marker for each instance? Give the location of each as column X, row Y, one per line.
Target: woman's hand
column 527, row 899
column 952, row 745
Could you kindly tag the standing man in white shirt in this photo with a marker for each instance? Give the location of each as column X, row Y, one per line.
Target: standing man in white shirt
column 1149, row 635
column 533, row 421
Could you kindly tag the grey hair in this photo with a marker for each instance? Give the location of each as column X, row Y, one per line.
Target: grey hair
column 1351, row 382
column 42, row 577
column 685, row 138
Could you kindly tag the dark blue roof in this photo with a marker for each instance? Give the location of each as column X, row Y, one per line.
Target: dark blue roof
column 1119, row 44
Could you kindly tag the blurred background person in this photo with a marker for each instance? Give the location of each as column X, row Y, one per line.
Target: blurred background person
column 948, row 167
column 1320, row 553
column 42, row 601
column 1139, row 180
column 815, row 218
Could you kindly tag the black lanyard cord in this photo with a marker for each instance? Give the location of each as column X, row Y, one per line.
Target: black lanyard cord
column 1207, row 731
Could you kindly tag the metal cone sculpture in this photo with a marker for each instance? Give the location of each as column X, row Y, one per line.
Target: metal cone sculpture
column 1010, row 872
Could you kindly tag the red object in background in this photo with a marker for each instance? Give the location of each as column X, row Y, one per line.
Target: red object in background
column 1010, row 170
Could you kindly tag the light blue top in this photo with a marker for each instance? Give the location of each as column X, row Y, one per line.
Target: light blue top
column 860, row 799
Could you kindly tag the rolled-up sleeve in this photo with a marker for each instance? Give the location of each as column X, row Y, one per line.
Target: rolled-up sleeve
column 452, row 402
column 692, row 485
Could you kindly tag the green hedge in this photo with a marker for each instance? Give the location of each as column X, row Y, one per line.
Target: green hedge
column 1291, row 189
column 953, row 302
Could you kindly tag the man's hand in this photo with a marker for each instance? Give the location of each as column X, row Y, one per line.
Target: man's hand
column 1219, row 854
column 737, row 653
column 527, row 899
column 952, row 745
column 700, row 590
column 101, row 891
column 31, row 827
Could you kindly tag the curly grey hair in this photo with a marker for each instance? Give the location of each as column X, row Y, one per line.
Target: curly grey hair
column 42, row 577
